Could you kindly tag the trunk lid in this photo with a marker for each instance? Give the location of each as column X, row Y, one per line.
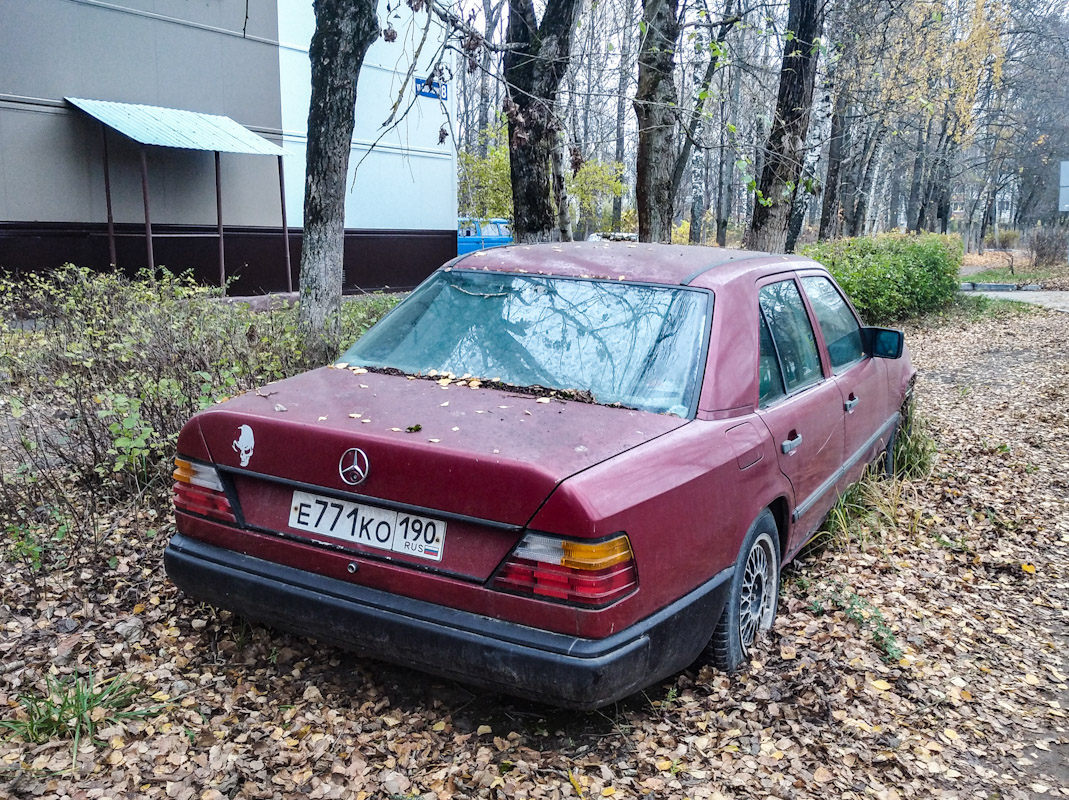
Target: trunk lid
column 481, row 460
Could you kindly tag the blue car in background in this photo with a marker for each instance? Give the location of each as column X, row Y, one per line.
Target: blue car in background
column 475, row 234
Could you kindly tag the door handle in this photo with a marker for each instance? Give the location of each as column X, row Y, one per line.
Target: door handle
column 851, row 403
column 792, row 443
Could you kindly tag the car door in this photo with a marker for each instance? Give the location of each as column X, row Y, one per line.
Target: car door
column 861, row 379
column 469, row 238
column 799, row 403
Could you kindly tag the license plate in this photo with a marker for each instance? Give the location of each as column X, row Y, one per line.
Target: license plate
column 379, row 528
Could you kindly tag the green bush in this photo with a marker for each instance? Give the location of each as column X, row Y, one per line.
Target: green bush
column 100, row 374
column 893, row 277
column 1005, row 239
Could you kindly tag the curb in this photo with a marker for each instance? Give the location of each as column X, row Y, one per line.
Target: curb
column 969, row 286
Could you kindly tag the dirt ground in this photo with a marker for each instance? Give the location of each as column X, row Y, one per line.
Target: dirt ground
column 925, row 659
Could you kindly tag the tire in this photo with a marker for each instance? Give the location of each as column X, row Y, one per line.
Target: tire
column 752, row 598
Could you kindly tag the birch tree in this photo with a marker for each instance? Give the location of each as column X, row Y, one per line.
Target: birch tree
column 344, row 31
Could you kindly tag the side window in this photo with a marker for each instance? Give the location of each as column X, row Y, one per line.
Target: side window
column 796, row 346
column 837, row 322
column 771, row 377
column 468, row 228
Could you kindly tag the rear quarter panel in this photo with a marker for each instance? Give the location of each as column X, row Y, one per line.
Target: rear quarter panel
column 683, row 501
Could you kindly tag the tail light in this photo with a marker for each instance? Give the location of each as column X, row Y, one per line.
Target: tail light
column 199, row 490
column 579, row 572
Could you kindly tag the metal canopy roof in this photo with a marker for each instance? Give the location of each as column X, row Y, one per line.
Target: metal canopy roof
column 171, row 127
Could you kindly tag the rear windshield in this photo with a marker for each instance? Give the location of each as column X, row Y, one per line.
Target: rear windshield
column 633, row 345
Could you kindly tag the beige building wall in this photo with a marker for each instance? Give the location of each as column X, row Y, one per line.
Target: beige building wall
column 189, row 54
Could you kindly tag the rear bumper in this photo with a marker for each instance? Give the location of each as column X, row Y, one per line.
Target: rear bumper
column 512, row 658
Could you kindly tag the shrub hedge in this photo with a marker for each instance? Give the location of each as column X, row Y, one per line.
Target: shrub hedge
column 892, row 277
column 97, row 375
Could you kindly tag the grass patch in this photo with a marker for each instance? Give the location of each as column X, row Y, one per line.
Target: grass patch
column 74, row 709
column 915, row 448
column 878, row 507
column 972, row 307
column 1017, row 276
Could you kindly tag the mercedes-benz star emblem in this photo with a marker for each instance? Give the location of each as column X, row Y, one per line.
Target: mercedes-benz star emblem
column 354, row 466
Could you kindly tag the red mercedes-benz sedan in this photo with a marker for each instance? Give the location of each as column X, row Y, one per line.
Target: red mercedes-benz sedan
column 562, row 471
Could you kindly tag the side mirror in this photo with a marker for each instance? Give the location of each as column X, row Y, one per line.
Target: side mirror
column 884, row 342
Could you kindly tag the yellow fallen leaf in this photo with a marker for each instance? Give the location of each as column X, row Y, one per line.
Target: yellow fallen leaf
column 882, row 685
column 1029, row 568
column 664, row 765
column 483, row 730
column 1031, row 680
column 608, row 791
column 822, row 775
column 438, row 726
column 161, row 697
column 140, row 607
column 950, row 733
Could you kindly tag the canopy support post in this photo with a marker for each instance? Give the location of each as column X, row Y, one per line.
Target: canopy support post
column 148, row 214
column 285, row 226
column 107, row 195
column 219, row 222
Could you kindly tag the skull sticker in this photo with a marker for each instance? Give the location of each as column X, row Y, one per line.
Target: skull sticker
column 243, row 444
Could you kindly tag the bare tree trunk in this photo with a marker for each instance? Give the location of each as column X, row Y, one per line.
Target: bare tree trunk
column 491, row 14
column 725, row 179
column 534, row 68
column 622, row 83
column 786, row 141
column 895, row 202
column 988, row 216
column 344, row 31
column 560, row 191
column 914, row 201
column 869, row 160
column 693, row 129
column 799, row 206
column 830, row 205
column 655, row 107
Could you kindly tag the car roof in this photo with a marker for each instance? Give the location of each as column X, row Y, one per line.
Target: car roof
column 640, row 262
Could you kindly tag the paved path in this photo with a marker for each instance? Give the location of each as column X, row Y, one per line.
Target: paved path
column 1059, row 301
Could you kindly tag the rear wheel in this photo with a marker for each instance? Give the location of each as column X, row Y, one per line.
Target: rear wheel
column 753, row 596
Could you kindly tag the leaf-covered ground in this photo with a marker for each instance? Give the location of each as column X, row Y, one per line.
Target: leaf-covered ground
column 929, row 661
